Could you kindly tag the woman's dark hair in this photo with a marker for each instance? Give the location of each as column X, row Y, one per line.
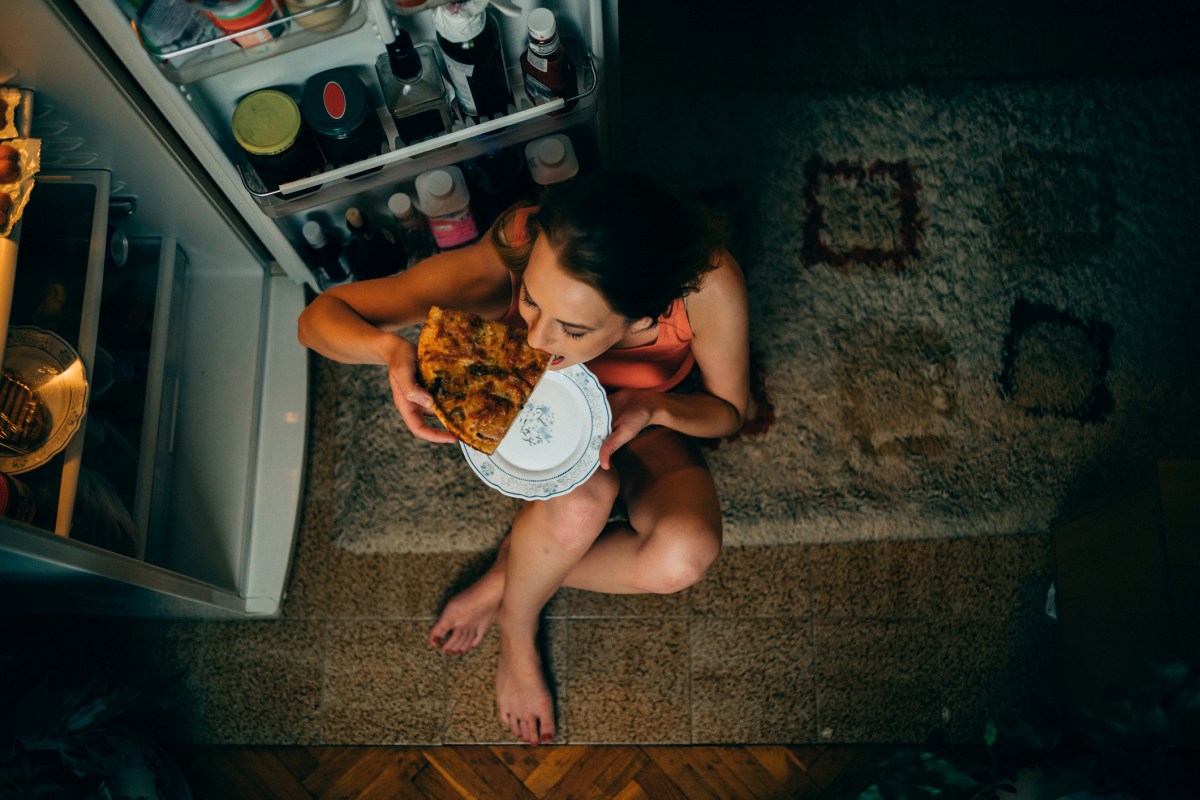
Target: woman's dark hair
column 640, row 246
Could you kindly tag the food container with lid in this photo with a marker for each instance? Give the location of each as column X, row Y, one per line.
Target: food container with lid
column 231, row 16
column 268, row 127
column 329, row 19
column 337, row 108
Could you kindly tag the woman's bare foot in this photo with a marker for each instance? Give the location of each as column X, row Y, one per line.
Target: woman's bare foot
column 466, row 618
column 523, row 700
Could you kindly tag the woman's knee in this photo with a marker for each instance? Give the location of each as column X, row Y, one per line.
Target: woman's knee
column 678, row 559
column 576, row 519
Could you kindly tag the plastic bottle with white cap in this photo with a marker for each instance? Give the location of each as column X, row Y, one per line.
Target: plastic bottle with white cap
column 551, row 160
column 411, row 227
column 443, row 197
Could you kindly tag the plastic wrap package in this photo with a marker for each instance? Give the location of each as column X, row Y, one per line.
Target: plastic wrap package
column 10, row 98
column 14, row 194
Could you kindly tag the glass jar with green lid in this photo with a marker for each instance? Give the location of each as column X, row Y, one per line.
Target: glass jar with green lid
column 278, row 145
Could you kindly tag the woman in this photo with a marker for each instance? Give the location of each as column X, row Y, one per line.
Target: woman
column 618, row 274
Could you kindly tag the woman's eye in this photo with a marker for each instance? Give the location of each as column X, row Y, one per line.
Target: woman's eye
column 525, row 299
column 572, row 335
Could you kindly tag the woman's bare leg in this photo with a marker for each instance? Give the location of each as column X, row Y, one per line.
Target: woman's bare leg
column 548, row 538
column 671, row 500
column 620, row 561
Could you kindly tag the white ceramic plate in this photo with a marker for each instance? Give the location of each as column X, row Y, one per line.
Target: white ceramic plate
column 47, row 364
column 554, row 445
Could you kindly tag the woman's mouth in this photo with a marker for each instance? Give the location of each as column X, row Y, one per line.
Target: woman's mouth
column 554, row 362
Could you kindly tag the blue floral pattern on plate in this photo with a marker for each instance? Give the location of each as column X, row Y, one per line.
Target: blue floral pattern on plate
column 554, row 445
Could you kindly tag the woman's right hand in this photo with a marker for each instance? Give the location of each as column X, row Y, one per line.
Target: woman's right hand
column 414, row 403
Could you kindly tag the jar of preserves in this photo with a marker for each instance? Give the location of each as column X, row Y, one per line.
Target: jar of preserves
column 268, row 127
column 337, row 109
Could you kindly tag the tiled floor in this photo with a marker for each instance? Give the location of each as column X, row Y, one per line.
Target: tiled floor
column 872, row 642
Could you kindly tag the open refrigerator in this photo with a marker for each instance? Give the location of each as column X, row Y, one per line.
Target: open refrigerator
column 178, row 489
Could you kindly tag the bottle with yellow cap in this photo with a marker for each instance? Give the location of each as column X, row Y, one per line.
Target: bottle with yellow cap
column 268, row 127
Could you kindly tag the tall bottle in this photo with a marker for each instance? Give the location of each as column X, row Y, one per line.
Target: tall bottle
column 547, row 70
column 495, row 180
column 411, row 227
column 372, row 253
column 413, row 89
column 470, row 42
column 325, row 252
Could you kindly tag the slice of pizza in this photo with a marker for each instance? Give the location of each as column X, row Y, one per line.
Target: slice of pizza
column 480, row 374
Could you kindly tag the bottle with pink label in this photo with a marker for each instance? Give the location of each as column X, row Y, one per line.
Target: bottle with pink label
column 442, row 196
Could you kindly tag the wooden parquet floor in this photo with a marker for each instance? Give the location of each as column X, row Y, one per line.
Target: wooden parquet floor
column 575, row 772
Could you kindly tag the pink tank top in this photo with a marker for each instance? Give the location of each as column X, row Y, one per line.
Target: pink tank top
column 659, row 365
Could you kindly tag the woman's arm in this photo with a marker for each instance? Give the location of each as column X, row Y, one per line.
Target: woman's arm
column 354, row 323
column 720, row 320
column 351, row 323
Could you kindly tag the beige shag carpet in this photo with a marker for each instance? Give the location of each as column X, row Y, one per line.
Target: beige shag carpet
column 972, row 307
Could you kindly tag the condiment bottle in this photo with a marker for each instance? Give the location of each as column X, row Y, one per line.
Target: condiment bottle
column 470, row 42
column 372, row 253
column 337, row 108
column 443, row 197
column 547, row 70
column 413, row 89
column 411, row 227
column 325, row 251
column 268, row 126
column 551, row 160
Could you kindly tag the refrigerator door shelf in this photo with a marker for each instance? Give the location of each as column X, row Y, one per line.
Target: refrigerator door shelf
column 63, row 237
column 466, row 141
column 191, row 64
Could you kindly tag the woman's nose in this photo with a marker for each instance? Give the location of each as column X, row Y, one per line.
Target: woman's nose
column 538, row 333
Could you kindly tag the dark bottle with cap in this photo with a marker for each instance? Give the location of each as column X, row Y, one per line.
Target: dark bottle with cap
column 413, row 88
column 337, row 108
column 325, row 251
column 470, row 41
column 496, row 182
column 268, row 126
column 372, row 253
column 548, row 72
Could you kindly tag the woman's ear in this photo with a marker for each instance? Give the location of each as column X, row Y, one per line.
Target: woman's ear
column 642, row 325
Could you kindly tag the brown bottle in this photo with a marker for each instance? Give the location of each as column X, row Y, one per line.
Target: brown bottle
column 547, row 71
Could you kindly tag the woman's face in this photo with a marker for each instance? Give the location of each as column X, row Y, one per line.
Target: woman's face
column 566, row 317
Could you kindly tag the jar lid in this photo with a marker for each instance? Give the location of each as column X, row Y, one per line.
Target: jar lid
column 266, row 122
column 334, row 102
column 541, row 24
column 230, row 9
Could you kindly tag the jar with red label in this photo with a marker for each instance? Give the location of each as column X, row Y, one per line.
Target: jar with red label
column 16, row 499
column 337, row 109
column 231, row 16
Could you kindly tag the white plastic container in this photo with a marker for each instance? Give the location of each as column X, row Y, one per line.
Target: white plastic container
column 442, row 196
column 551, row 159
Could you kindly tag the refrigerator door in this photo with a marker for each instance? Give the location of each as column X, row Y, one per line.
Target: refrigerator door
column 197, row 90
column 195, row 436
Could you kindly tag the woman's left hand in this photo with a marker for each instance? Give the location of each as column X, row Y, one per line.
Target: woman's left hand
column 631, row 410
